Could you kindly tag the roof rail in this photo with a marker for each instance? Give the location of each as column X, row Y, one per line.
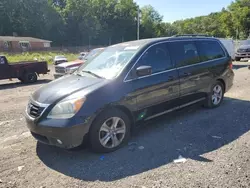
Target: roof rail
column 192, row 35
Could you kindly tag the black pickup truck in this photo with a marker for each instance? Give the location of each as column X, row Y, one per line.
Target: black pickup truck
column 26, row 72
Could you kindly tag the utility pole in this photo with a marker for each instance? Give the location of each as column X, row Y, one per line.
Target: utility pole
column 138, row 22
column 89, row 42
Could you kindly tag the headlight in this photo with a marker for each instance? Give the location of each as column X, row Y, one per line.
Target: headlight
column 70, row 70
column 66, row 108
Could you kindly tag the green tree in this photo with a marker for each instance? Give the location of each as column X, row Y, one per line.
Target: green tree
column 150, row 22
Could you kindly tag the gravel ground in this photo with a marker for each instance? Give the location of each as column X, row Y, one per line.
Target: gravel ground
column 215, row 143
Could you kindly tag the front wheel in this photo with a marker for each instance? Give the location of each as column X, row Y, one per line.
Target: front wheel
column 110, row 131
column 216, row 95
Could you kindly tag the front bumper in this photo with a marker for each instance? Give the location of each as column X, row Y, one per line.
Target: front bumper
column 58, row 75
column 61, row 133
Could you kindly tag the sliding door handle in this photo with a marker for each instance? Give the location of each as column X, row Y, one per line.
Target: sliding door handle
column 170, row 78
column 187, row 74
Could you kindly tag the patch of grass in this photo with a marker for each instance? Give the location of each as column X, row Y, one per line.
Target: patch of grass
column 38, row 56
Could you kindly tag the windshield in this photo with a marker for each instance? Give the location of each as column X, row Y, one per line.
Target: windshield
column 59, row 57
column 92, row 53
column 110, row 62
column 245, row 42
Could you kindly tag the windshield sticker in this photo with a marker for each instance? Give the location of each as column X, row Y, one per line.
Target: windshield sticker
column 132, row 48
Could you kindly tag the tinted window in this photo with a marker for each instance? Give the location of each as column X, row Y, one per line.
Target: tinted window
column 184, row 53
column 210, row 50
column 245, row 42
column 157, row 57
column 2, row 60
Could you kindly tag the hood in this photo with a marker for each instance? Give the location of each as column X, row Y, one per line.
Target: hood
column 243, row 47
column 71, row 63
column 60, row 59
column 64, row 86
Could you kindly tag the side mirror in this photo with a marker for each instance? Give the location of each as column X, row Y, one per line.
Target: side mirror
column 144, row 70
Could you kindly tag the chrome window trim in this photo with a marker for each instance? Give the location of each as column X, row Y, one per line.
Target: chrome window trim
column 150, row 75
column 177, row 68
column 204, row 62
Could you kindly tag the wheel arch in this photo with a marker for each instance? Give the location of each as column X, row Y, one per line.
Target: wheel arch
column 223, row 83
column 127, row 112
column 122, row 108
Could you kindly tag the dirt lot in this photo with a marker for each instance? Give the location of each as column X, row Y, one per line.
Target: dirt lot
column 216, row 144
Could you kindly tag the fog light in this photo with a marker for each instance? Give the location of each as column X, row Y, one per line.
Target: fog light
column 59, row 141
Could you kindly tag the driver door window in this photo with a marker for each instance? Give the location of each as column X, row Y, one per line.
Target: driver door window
column 5, row 71
column 2, row 61
column 157, row 57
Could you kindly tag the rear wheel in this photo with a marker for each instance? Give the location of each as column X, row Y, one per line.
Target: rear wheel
column 21, row 79
column 216, row 95
column 29, row 77
column 110, row 131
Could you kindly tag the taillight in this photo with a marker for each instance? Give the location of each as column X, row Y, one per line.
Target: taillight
column 231, row 64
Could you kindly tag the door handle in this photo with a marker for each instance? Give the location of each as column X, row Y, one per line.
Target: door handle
column 186, row 74
column 170, row 78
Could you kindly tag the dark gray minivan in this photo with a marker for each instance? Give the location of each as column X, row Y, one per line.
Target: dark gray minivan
column 128, row 83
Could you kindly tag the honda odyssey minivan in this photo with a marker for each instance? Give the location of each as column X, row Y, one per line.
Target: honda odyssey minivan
column 125, row 85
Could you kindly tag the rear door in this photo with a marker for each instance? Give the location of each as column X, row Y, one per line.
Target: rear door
column 159, row 92
column 194, row 74
column 214, row 58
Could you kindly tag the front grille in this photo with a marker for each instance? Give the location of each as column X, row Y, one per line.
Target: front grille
column 34, row 110
column 60, row 70
column 243, row 50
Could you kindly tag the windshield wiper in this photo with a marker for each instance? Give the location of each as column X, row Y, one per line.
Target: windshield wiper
column 89, row 72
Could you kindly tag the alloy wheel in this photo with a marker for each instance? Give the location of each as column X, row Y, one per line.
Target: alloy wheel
column 217, row 94
column 112, row 132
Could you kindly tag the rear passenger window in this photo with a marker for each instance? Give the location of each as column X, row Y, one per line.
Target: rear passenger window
column 210, row 50
column 157, row 57
column 184, row 53
column 2, row 60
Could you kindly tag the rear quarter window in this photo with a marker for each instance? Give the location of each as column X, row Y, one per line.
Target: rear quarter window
column 209, row 50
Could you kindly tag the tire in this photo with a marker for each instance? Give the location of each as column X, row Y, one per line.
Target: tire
column 237, row 59
column 96, row 134
column 20, row 79
column 30, row 77
column 215, row 99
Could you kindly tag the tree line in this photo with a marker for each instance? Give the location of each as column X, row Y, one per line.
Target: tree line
column 104, row 22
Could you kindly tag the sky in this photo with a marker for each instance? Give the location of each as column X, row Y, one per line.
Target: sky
column 173, row 10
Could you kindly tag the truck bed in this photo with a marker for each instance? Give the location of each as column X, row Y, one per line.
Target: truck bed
column 29, row 66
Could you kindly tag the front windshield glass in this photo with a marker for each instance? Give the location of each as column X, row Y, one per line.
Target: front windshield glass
column 110, row 62
column 92, row 54
column 59, row 57
column 245, row 42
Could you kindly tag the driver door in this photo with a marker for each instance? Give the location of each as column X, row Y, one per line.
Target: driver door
column 157, row 93
column 5, row 70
